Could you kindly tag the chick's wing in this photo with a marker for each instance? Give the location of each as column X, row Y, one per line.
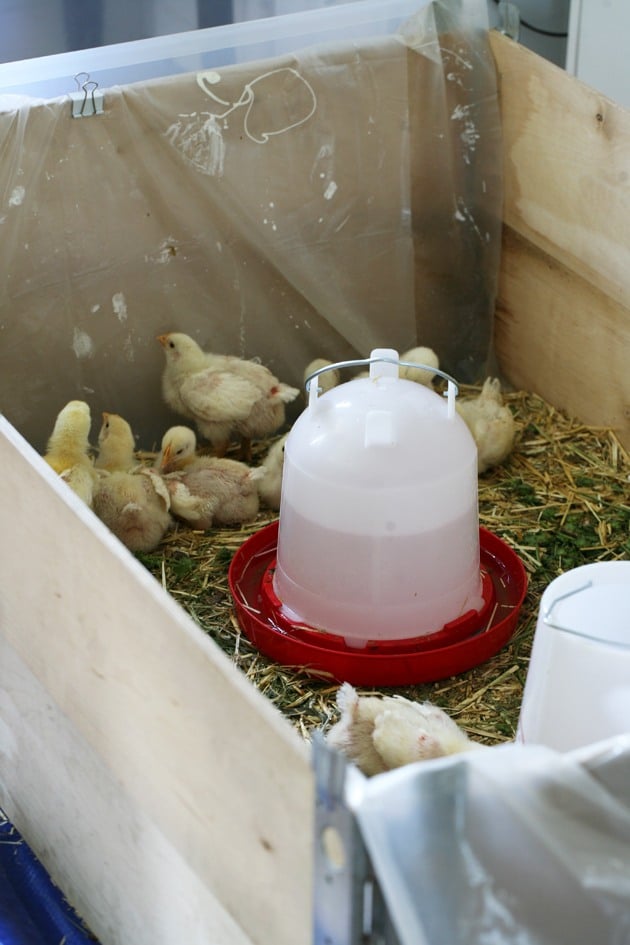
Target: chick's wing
column 219, row 396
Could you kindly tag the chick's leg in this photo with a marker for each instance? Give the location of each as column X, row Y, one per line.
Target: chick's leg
column 245, row 454
column 220, row 449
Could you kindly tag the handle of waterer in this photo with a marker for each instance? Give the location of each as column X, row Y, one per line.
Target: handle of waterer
column 452, row 389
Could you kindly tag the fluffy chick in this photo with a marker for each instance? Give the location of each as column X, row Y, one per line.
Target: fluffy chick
column 224, row 395
column 378, row 733
column 419, row 356
column 491, row 423
column 270, row 484
column 325, row 381
column 68, row 449
column 134, row 506
column 206, row 490
column 81, row 481
column 116, row 444
column 178, row 450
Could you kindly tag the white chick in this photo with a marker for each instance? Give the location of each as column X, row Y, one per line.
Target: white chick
column 270, row 485
column 419, row 356
column 68, row 449
column 206, row 490
column 325, row 381
column 491, row 423
column 226, row 396
column 134, row 506
column 116, row 444
column 378, row 733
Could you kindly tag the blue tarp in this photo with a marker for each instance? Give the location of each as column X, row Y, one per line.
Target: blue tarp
column 33, row 911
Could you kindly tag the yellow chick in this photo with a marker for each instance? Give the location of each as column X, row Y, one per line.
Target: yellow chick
column 206, row 490
column 116, row 444
column 424, row 356
column 491, row 423
column 325, row 381
column 68, row 449
column 378, row 733
column 270, row 484
column 419, row 356
column 224, row 395
column 178, row 450
column 134, row 506
column 81, row 481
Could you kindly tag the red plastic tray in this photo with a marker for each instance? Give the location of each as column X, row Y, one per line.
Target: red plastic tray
column 456, row 648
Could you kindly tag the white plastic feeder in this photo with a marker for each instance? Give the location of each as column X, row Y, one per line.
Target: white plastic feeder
column 379, row 526
column 577, row 690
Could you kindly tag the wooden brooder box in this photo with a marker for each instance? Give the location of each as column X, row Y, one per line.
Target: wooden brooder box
column 166, row 796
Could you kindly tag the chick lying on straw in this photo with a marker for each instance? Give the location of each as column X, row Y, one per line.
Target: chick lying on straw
column 378, row 733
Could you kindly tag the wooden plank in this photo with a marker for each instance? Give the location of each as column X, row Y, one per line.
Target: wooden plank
column 112, row 861
column 556, row 335
column 562, row 326
column 567, row 167
column 195, row 759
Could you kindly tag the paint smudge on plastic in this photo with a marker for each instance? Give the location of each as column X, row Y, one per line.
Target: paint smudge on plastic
column 119, row 305
column 199, row 139
column 17, row 196
column 167, row 250
column 82, row 344
column 128, row 349
column 198, row 136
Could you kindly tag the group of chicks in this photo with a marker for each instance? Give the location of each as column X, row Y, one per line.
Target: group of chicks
column 486, row 415
column 225, row 398
column 138, row 502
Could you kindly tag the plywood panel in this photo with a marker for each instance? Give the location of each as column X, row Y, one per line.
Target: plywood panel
column 109, row 856
column 562, row 326
column 566, row 167
column 183, row 735
column 556, row 335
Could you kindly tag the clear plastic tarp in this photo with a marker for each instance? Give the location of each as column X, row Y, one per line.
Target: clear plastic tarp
column 515, row 845
column 320, row 203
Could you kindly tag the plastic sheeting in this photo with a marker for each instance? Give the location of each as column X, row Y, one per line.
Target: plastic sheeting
column 325, row 203
column 33, row 910
column 506, row 846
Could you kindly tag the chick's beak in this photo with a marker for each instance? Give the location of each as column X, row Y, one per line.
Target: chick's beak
column 166, row 459
column 163, row 339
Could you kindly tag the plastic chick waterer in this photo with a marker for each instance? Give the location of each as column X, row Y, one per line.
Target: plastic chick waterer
column 379, row 527
column 377, row 572
column 577, row 689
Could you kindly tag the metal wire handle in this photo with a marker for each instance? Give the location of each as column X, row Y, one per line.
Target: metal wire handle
column 546, row 616
column 362, row 362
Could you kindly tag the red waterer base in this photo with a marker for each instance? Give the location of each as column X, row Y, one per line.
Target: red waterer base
column 466, row 642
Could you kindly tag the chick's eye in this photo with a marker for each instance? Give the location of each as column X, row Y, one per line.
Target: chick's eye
column 171, row 344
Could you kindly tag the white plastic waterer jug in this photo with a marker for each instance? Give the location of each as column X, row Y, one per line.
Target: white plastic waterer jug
column 379, row 526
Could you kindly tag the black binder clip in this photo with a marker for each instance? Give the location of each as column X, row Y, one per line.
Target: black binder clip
column 88, row 100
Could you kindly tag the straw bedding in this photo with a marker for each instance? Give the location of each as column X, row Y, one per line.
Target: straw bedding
column 560, row 500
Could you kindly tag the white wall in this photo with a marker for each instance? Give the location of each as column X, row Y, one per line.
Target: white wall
column 31, row 28
column 598, row 48
column 552, row 16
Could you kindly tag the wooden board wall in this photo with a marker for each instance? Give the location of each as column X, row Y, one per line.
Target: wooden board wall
column 165, row 795
column 562, row 325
